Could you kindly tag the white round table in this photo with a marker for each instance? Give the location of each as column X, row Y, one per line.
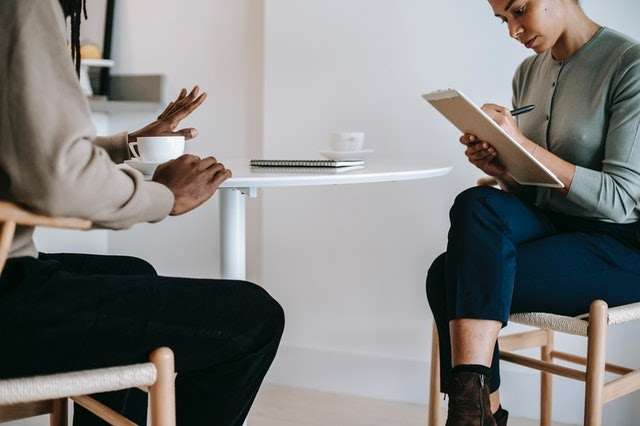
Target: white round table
column 247, row 180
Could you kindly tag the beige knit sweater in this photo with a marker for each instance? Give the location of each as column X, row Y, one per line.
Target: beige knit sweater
column 50, row 158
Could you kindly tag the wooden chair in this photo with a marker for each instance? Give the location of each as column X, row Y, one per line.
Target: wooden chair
column 593, row 326
column 48, row 394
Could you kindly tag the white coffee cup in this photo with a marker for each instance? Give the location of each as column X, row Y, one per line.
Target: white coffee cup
column 157, row 149
column 347, row 141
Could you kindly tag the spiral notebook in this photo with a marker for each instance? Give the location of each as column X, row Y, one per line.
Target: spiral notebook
column 305, row 163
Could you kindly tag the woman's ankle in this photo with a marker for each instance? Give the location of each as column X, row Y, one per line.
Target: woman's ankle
column 494, row 400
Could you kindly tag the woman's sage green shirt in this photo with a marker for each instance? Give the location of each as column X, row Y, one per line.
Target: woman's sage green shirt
column 588, row 113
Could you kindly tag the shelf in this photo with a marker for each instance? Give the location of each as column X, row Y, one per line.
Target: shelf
column 120, row 107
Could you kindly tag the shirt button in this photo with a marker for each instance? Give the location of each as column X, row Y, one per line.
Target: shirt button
column 548, row 117
column 553, row 84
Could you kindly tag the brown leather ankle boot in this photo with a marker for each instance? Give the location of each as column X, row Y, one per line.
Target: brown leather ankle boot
column 501, row 416
column 469, row 400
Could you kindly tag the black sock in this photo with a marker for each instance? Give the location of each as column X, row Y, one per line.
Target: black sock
column 501, row 415
column 472, row 368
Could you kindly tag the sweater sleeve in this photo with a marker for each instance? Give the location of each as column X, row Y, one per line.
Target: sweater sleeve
column 116, row 146
column 51, row 156
column 614, row 192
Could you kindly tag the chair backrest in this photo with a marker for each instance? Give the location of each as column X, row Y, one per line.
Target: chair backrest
column 12, row 215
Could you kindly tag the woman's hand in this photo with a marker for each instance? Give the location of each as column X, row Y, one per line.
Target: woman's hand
column 171, row 117
column 482, row 155
column 503, row 118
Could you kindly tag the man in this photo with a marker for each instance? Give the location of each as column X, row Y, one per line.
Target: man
column 64, row 312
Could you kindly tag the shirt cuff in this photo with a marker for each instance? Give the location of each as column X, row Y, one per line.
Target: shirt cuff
column 117, row 146
column 162, row 201
column 585, row 188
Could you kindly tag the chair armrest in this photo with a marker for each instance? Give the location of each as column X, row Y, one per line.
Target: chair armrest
column 10, row 212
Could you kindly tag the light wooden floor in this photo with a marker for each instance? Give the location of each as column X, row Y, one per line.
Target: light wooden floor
column 285, row 406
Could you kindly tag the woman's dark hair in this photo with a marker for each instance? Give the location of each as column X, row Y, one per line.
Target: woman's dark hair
column 74, row 9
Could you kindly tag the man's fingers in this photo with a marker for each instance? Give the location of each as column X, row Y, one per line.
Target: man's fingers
column 188, row 133
column 173, row 105
column 194, row 92
column 220, row 177
column 166, row 111
column 187, row 109
column 208, row 162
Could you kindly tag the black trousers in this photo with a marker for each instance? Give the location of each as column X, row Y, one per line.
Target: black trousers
column 506, row 256
column 65, row 312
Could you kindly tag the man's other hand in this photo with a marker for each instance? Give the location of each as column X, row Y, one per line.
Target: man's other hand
column 191, row 179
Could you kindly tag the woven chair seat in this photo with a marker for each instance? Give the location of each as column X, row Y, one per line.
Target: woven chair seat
column 39, row 388
column 576, row 325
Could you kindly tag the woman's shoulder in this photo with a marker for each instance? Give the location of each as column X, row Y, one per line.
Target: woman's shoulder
column 620, row 45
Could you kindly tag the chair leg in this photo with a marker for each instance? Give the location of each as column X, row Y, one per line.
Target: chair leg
column 58, row 416
column 162, row 393
column 434, row 417
column 546, row 383
column 598, row 321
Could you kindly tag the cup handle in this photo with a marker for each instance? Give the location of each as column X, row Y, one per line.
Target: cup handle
column 133, row 151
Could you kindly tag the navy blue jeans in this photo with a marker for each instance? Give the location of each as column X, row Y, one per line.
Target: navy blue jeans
column 65, row 312
column 506, row 256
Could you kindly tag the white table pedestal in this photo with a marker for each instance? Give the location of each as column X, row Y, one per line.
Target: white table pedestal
column 246, row 181
column 233, row 236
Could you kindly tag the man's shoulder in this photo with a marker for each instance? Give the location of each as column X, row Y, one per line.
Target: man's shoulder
column 17, row 11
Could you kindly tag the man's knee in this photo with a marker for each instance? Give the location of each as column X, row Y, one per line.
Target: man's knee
column 270, row 311
column 136, row 266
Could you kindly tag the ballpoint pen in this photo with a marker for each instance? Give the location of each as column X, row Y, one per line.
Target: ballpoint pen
column 522, row 110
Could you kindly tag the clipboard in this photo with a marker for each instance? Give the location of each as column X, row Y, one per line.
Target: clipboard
column 469, row 118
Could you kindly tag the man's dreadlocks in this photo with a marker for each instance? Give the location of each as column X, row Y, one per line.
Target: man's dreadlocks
column 73, row 9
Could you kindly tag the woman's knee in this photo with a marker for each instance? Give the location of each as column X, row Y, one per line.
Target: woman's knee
column 435, row 285
column 471, row 199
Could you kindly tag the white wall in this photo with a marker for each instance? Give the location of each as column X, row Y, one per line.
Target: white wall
column 216, row 44
column 349, row 263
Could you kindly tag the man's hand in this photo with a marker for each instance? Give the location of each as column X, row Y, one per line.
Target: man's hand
column 192, row 180
column 176, row 111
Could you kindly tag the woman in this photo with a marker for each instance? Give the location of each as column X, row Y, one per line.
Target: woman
column 68, row 312
column 538, row 249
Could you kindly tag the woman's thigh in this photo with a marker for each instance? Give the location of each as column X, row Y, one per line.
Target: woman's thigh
column 564, row 273
column 61, row 321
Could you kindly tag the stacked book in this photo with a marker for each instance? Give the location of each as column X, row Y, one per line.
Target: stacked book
column 306, row 163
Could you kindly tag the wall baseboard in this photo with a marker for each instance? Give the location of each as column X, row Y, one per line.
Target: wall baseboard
column 406, row 380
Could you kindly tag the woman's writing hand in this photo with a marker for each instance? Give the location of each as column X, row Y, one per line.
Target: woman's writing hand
column 482, row 155
column 503, row 118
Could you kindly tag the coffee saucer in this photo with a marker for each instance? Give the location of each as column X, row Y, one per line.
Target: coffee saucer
column 346, row 155
column 146, row 167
